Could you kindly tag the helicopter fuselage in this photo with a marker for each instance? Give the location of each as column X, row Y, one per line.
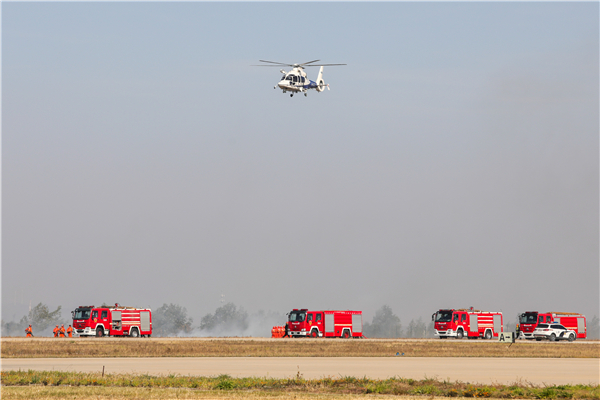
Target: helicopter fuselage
column 296, row 81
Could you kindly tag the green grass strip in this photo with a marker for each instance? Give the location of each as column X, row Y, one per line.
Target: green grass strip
column 329, row 385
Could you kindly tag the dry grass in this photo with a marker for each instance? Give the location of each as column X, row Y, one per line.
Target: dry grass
column 55, row 384
column 197, row 347
column 101, row 393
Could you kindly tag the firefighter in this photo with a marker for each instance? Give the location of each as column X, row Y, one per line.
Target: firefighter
column 70, row 331
column 28, row 331
column 55, row 330
column 62, row 330
column 287, row 330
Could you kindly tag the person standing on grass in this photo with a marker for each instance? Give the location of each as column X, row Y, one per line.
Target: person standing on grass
column 62, row 330
column 28, row 331
column 70, row 331
column 55, row 330
column 287, row 330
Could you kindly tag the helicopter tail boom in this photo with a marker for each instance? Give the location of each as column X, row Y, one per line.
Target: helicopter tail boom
column 320, row 82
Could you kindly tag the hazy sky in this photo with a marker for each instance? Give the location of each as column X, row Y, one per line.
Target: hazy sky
column 454, row 162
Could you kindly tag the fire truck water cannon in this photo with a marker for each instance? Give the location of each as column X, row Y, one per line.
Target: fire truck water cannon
column 112, row 321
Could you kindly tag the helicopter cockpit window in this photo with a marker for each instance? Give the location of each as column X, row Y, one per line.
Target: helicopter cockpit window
column 289, row 77
column 295, row 79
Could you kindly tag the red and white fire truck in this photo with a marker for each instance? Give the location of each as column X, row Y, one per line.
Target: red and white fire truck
column 112, row 321
column 331, row 323
column 529, row 320
column 468, row 323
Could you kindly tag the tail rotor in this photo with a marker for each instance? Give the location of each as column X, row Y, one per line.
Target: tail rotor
column 320, row 82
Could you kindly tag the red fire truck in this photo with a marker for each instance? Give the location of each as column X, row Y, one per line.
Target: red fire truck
column 468, row 323
column 112, row 321
column 529, row 320
column 346, row 324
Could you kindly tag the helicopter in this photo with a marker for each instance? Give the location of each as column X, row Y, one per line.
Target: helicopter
column 296, row 81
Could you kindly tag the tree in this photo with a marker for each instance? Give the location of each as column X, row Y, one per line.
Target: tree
column 385, row 324
column 171, row 319
column 40, row 317
column 430, row 330
column 416, row 329
column 13, row 328
column 227, row 320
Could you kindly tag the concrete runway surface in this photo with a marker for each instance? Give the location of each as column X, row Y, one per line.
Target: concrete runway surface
column 557, row 371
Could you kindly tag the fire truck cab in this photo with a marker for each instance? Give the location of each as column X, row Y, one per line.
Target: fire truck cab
column 112, row 321
column 468, row 323
column 303, row 323
column 529, row 320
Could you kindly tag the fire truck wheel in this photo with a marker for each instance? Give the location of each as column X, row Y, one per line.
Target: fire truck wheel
column 571, row 337
column 99, row 332
column 488, row 335
column 459, row 334
column 314, row 333
column 134, row 333
column 346, row 334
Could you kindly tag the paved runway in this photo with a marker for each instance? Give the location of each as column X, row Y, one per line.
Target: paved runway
column 538, row 371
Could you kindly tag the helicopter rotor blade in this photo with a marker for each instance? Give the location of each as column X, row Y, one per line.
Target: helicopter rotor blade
column 302, row 66
column 274, row 62
column 324, row 65
column 309, row 62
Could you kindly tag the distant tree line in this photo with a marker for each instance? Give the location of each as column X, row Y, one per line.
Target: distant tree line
column 40, row 317
column 231, row 320
column 226, row 320
column 171, row 319
column 386, row 324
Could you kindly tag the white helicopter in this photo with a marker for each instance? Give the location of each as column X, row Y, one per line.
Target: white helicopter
column 296, row 80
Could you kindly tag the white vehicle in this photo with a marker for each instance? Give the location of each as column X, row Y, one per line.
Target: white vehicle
column 296, row 81
column 553, row 332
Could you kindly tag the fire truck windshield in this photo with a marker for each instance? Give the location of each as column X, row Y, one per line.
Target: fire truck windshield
column 529, row 318
column 297, row 316
column 82, row 313
column 443, row 316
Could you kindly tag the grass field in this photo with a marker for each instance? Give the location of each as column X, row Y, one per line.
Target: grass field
column 102, row 393
column 174, row 347
column 52, row 384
